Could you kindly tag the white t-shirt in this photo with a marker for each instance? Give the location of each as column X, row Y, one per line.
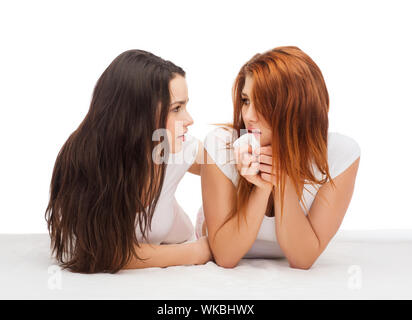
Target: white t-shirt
column 342, row 152
column 170, row 224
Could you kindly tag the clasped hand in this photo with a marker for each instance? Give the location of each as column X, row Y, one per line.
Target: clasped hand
column 256, row 167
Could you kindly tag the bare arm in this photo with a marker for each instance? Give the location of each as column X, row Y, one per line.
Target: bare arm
column 303, row 238
column 165, row 255
column 231, row 242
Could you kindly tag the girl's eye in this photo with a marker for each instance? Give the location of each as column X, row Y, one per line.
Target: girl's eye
column 176, row 109
column 245, row 101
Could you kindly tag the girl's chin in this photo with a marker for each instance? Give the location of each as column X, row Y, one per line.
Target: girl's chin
column 264, row 140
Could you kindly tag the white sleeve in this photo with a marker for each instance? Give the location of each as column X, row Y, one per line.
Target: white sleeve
column 218, row 144
column 344, row 153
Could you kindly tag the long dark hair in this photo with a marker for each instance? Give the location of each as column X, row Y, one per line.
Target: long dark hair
column 104, row 180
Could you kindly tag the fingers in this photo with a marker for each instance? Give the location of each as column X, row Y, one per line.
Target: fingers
column 249, row 165
column 248, row 162
column 243, row 156
column 239, row 152
column 267, row 150
column 265, row 159
column 254, row 168
column 265, row 168
column 268, row 178
column 244, row 148
column 247, row 158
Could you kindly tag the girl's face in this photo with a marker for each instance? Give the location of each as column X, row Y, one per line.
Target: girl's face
column 254, row 122
column 178, row 119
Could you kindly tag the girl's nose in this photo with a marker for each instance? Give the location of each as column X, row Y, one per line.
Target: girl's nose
column 189, row 120
column 250, row 114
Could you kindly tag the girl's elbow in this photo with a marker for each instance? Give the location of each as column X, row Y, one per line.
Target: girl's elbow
column 225, row 262
column 303, row 261
column 304, row 265
column 228, row 264
column 222, row 257
column 300, row 266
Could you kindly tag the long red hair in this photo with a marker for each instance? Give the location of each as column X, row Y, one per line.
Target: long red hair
column 290, row 93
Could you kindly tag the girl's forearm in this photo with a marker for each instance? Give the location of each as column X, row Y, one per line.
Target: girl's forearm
column 164, row 255
column 235, row 239
column 294, row 232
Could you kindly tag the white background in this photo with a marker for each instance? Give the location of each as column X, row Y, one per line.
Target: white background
column 53, row 52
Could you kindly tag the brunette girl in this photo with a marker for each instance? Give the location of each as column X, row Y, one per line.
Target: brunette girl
column 112, row 203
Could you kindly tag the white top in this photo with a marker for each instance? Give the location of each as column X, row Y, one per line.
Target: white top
column 342, row 152
column 170, row 224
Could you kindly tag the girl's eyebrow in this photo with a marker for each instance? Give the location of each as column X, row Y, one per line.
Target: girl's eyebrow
column 180, row 102
column 244, row 94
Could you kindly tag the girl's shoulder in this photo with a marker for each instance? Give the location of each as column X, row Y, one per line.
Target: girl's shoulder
column 219, row 145
column 343, row 150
